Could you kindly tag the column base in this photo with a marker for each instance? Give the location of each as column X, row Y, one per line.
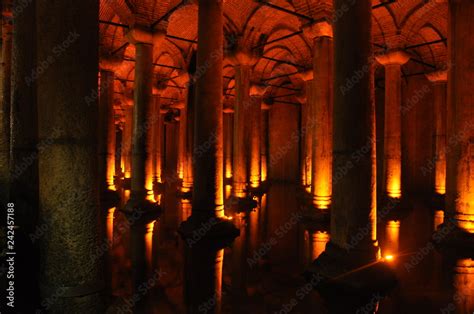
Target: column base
column 109, row 199
column 241, row 204
column 185, row 195
column 354, row 273
column 212, row 231
column 437, row 201
column 158, row 188
column 390, row 208
column 141, row 212
column 127, row 184
column 260, row 190
column 449, row 237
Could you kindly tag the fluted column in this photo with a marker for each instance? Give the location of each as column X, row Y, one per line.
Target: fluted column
column 393, row 62
column 439, row 80
column 67, row 114
column 5, row 104
column 204, row 256
column 460, row 127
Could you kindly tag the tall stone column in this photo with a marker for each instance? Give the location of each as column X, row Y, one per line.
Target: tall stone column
column 242, row 109
column 228, row 141
column 5, row 104
column 353, row 241
column 68, row 189
column 460, row 127
column 264, row 140
column 204, row 253
column 321, row 118
column 256, row 93
column 307, row 132
column 139, row 210
column 439, row 80
column 393, row 61
column 127, row 138
column 158, row 141
column 24, row 150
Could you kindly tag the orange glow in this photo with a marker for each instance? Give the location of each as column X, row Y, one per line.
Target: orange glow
column 321, row 184
column 394, row 186
column 186, row 209
column 392, row 238
column 438, row 218
column 319, row 239
column 464, row 284
column 149, row 242
column 228, row 191
column 264, row 171
column 110, row 225
column 389, row 258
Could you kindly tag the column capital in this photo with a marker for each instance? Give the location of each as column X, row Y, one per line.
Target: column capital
column 127, row 101
column 438, row 77
column 110, row 64
column 266, row 105
column 243, row 57
column 319, row 29
column 257, row 90
column 397, row 57
column 141, row 35
column 306, row 75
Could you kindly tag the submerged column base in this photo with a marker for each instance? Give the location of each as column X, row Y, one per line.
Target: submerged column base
column 354, row 272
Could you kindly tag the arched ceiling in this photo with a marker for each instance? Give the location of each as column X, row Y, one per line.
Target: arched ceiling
column 402, row 24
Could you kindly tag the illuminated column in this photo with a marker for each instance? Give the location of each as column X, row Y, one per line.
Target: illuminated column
column 242, row 110
column 228, row 141
column 158, row 144
column 155, row 127
column 127, row 138
column 68, row 183
column 264, row 140
column 307, row 131
column 256, row 93
column 139, row 205
column 439, row 80
column 393, row 61
column 460, row 127
column 204, row 255
column 321, row 185
column 353, row 214
column 106, row 126
column 183, row 80
column 5, row 105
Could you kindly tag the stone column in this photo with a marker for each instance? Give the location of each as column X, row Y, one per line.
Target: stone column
column 264, row 141
column 228, row 141
column 158, row 142
column 307, row 133
column 321, row 121
column 67, row 120
column 24, row 150
column 460, row 113
column 139, row 210
column 127, row 139
column 439, row 80
column 393, row 61
column 256, row 93
column 5, row 105
column 353, row 241
column 242, row 109
column 204, row 254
